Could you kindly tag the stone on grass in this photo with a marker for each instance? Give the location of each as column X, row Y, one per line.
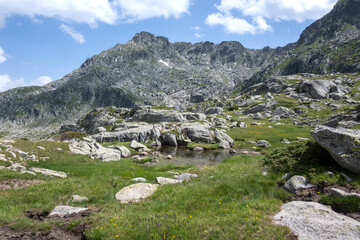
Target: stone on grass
column 313, row 221
column 136, row 192
column 48, row 172
column 185, row 176
column 79, row 199
column 198, row 149
column 263, row 143
column 297, row 183
column 61, row 211
column 343, row 145
column 124, row 151
column 138, row 146
column 334, row 192
column 165, row 181
column 139, row 179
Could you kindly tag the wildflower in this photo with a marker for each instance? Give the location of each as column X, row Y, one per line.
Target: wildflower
column 174, row 237
column 219, row 202
column 131, row 226
column 164, row 236
column 115, row 224
column 97, row 227
column 247, row 205
column 190, row 216
column 117, row 235
column 73, row 224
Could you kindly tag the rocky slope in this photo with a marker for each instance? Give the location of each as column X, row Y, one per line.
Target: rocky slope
column 150, row 70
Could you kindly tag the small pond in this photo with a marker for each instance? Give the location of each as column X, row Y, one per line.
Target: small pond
column 183, row 156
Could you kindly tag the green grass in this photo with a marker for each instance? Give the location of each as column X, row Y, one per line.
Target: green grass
column 228, row 201
column 206, row 146
column 346, row 204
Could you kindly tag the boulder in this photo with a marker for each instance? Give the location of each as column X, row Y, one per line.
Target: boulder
column 214, row 110
column 198, row 149
column 297, row 183
column 136, row 192
column 317, row 89
column 262, row 107
column 166, row 181
column 185, row 177
column 313, row 221
column 343, row 145
column 139, row 179
column 197, row 132
column 283, row 112
column 168, row 139
column 62, row 211
column 158, row 115
column 48, row 172
column 242, row 125
column 263, row 143
column 334, row 192
column 124, row 151
column 224, row 140
column 194, row 116
column 138, row 146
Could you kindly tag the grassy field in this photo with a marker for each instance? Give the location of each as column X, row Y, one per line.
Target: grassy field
column 232, row 200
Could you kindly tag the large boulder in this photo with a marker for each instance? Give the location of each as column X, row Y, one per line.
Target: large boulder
column 214, row 110
column 140, row 132
column 158, row 115
column 317, row 89
column 89, row 146
column 197, row 132
column 262, row 107
column 313, row 221
column 224, row 140
column 343, row 145
column 168, row 139
column 283, row 112
column 136, row 192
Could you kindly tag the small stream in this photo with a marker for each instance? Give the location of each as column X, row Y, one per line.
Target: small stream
column 183, row 156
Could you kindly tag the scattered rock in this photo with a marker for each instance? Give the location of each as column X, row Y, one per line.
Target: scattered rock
column 138, row 146
column 198, row 149
column 168, row 139
column 334, row 192
column 62, row 211
column 197, row 132
column 40, row 147
column 124, row 151
column 185, row 176
column 296, row 184
column 286, row 176
column 165, row 181
column 168, row 157
column 136, row 192
column 303, row 139
column 79, row 199
column 284, row 112
column 214, row 110
column 232, row 151
column 17, row 183
column 50, row 173
column 285, row 141
column 139, row 179
column 262, row 107
column 343, row 145
column 313, row 221
column 263, row 143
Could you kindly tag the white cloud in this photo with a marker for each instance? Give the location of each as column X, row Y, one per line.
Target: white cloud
column 7, row 83
column 262, row 10
column 196, row 28
column 78, row 37
column 198, row 35
column 2, row 55
column 136, row 10
column 92, row 11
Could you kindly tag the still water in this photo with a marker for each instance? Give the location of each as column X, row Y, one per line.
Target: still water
column 183, row 156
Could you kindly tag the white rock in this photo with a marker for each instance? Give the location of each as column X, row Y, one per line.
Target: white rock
column 139, row 179
column 78, row 199
column 40, row 147
column 313, row 221
column 48, row 172
column 61, row 211
column 136, row 192
column 165, row 181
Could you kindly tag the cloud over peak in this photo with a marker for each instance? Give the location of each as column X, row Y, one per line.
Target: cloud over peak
column 78, row 37
column 260, row 11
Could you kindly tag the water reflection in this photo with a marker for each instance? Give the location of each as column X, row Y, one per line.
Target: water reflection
column 182, row 156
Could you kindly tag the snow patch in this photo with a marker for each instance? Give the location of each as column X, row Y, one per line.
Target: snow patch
column 165, row 63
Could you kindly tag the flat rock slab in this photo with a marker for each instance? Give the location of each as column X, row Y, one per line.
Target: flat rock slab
column 61, row 211
column 313, row 221
column 166, row 181
column 48, row 172
column 136, row 192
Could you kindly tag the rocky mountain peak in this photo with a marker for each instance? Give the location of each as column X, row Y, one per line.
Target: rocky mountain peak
column 147, row 38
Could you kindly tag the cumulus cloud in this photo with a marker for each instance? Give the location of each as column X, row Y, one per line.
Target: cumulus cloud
column 7, row 83
column 136, row 10
column 78, row 37
column 259, row 11
column 2, row 55
column 93, row 11
column 198, row 35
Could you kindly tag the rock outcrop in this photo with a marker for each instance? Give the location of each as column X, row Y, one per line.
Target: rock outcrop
column 136, row 192
column 343, row 145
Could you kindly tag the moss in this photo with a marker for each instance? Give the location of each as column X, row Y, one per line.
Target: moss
column 206, row 146
column 72, row 135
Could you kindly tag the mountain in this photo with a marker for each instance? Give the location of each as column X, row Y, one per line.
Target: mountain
column 151, row 70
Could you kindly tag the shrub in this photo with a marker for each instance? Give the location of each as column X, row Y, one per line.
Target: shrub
column 346, row 204
column 206, row 146
column 71, row 135
column 300, row 158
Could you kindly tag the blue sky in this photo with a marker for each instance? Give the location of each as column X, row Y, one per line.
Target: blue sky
column 43, row 40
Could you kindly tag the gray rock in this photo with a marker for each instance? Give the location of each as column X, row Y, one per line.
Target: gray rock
column 263, row 143
column 99, row 130
column 284, row 112
column 285, row 141
column 258, row 116
column 125, row 152
column 232, row 151
column 139, row 179
column 166, row 181
column 158, row 115
column 297, row 183
column 317, row 89
column 40, row 147
column 185, row 177
column 136, row 192
column 313, row 221
column 275, row 119
column 224, row 140
column 137, row 146
column 214, row 110
column 197, row 132
column 48, row 172
column 62, row 211
column 79, row 199
column 198, row 149
column 194, row 116
column 286, row 176
column 342, row 144
column 168, row 139
column 262, row 107
column 17, row 167
column 334, row 192
column 242, row 125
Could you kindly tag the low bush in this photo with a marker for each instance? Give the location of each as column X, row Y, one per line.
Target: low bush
column 72, row 135
column 346, row 204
